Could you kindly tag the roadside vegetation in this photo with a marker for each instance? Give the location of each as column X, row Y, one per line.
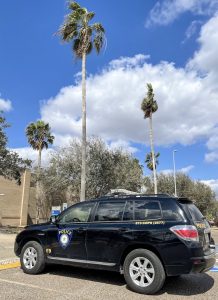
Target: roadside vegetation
column 11, row 164
column 200, row 193
column 106, row 169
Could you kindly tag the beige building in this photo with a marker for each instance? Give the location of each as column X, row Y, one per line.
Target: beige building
column 17, row 202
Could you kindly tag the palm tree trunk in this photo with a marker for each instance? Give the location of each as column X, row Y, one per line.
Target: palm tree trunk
column 83, row 171
column 38, row 202
column 152, row 153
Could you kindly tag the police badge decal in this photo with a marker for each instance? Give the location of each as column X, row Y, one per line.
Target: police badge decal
column 64, row 237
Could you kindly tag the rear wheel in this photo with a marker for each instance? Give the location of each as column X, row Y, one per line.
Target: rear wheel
column 32, row 258
column 144, row 272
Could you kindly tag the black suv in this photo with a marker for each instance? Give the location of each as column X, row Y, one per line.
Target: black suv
column 144, row 237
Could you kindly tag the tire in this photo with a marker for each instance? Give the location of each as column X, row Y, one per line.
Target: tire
column 32, row 258
column 141, row 261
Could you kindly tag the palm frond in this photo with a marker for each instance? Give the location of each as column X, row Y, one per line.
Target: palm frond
column 76, row 29
column 98, row 42
column 149, row 105
column 98, row 28
column 74, row 5
column 149, row 161
column 90, row 15
column 77, row 48
column 38, row 135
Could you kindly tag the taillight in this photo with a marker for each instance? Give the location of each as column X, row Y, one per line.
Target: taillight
column 186, row 232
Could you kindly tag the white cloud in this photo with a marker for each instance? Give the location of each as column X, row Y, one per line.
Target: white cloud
column 211, row 157
column 191, row 30
column 5, row 105
column 185, row 170
column 213, row 183
column 29, row 153
column 188, row 101
column 119, row 144
column 166, row 11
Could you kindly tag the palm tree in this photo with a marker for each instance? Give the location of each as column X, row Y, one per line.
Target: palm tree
column 84, row 36
column 149, row 161
column 149, row 106
column 39, row 137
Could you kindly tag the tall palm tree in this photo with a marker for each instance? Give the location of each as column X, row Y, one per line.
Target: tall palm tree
column 149, row 107
column 39, row 137
column 83, row 36
column 149, row 161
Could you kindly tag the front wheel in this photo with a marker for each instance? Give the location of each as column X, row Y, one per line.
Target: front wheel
column 144, row 272
column 32, row 258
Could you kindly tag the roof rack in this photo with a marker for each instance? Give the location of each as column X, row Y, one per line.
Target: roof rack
column 117, row 195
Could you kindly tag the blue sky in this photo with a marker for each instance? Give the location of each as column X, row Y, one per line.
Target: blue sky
column 171, row 43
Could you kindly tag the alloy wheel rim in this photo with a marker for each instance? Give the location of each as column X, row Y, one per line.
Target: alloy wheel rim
column 141, row 271
column 30, row 258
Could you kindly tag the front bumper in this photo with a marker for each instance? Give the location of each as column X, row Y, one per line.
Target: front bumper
column 203, row 264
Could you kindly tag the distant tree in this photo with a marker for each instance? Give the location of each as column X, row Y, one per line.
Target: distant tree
column 149, row 161
column 39, row 137
column 11, row 165
column 200, row 193
column 106, row 168
column 84, row 36
column 149, row 107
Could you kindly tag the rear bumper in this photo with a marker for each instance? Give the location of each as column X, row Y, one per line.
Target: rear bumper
column 193, row 265
column 203, row 264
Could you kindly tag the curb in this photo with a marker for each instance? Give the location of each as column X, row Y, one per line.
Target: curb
column 9, row 264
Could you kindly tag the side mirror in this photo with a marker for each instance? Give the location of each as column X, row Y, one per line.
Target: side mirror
column 53, row 219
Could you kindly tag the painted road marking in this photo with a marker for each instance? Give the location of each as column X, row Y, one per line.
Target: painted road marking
column 12, row 265
column 9, row 263
column 34, row 286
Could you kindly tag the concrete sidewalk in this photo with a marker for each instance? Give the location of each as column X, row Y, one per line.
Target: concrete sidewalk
column 7, row 257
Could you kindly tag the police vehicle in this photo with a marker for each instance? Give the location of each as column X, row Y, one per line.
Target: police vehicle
column 144, row 237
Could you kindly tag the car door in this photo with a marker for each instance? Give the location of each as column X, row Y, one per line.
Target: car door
column 66, row 238
column 108, row 233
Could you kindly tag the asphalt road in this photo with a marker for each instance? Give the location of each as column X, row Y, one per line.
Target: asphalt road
column 61, row 282
column 72, row 283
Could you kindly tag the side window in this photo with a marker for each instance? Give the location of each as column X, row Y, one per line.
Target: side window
column 109, row 211
column 128, row 212
column 171, row 211
column 147, row 210
column 77, row 213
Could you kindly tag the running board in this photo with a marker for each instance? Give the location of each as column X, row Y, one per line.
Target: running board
column 82, row 261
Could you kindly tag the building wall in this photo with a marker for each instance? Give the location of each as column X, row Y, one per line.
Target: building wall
column 14, row 200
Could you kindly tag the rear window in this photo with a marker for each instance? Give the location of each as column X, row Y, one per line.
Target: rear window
column 147, row 210
column 172, row 211
column 195, row 212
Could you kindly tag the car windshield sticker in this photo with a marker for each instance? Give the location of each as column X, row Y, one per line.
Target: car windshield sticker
column 64, row 237
column 150, row 222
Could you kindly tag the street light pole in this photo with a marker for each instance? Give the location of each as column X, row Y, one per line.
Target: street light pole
column 174, row 172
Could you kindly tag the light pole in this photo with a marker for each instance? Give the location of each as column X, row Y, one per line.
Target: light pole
column 174, row 171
